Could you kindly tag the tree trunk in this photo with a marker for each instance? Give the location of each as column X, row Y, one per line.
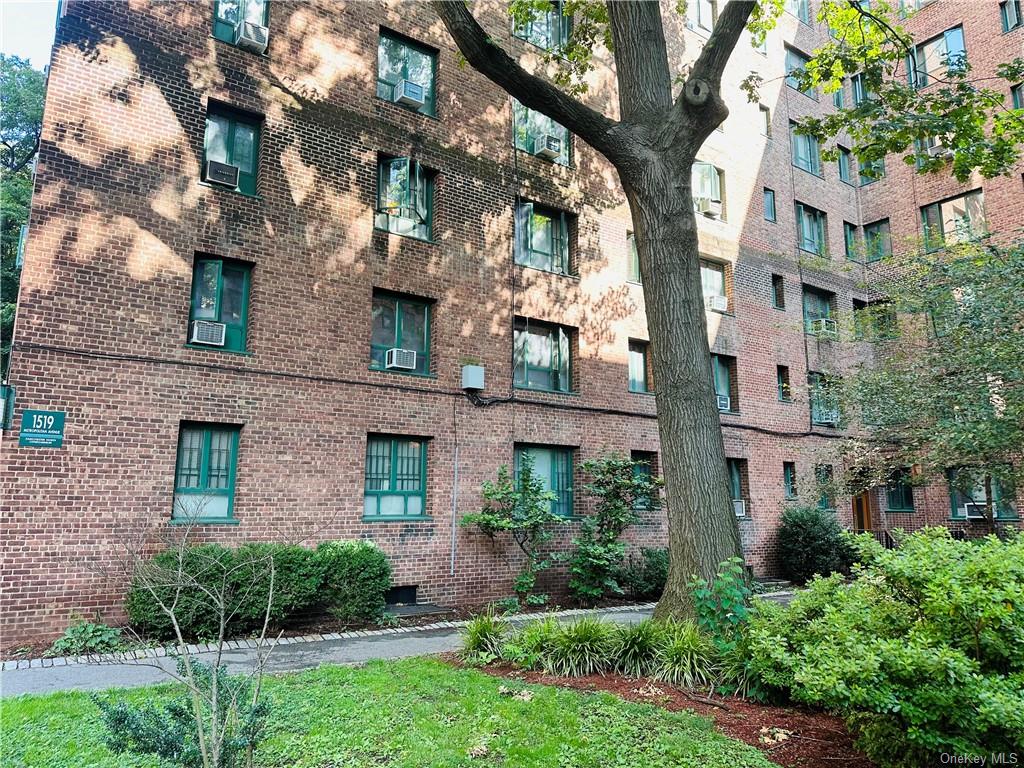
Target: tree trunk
column 702, row 527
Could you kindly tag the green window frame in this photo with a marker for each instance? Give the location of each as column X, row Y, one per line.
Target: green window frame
column 839, row 96
column 769, row 204
column 824, row 404
column 806, row 151
column 644, row 463
column 401, row 322
column 234, row 139
column 860, row 90
column 877, row 240
column 220, row 294
column 634, row 259
column 778, row 292
column 850, row 240
column 782, row 383
column 723, row 375
column 543, row 356
column 204, row 473
column 956, row 220
column 812, row 233
column 870, row 172
column 639, row 377
column 542, row 238
column 1017, row 96
column 405, row 198
column 824, row 474
column 845, row 164
column 398, row 59
column 796, row 62
column 555, row 466
column 528, row 125
column 899, row 493
column 799, row 8
column 875, row 320
column 1010, row 14
column 548, row 29
column 736, row 469
column 935, row 58
column 818, row 305
column 967, row 486
column 789, row 479
column 395, row 477
column 227, row 14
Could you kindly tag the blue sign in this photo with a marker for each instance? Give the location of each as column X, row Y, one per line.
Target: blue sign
column 42, row 429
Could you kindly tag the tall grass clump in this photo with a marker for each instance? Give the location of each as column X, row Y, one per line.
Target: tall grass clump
column 528, row 647
column 581, row 648
column 686, row 657
column 636, row 647
column 483, row 638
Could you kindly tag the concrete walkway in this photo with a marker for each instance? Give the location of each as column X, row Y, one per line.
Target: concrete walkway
column 113, row 670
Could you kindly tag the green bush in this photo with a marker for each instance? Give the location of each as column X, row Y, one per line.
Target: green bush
column 636, row 648
column 580, row 648
column 810, row 541
column 923, row 651
column 644, row 573
column 686, row 656
column 530, row 645
column 297, row 580
column 86, row 637
column 355, row 576
column 483, row 638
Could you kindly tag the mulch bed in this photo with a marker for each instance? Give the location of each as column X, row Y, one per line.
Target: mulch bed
column 807, row 739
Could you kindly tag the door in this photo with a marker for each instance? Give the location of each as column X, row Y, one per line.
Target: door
column 861, row 512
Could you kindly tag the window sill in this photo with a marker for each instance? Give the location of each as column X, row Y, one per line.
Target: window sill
column 429, row 240
column 395, row 518
column 847, row 182
column 791, row 498
column 711, row 311
column 204, row 521
column 263, row 55
column 634, row 282
column 812, row 173
column 569, row 275
column 571, row 166
column 902, row 511
column 729, row 413
column 410, row 110
column 780, row 309
column 521, row 387
column 809, row 96
column 403, row 373
column 222, row 188
column 985, row 520
column 207, row 348
column 787, row 400
column 647, row 392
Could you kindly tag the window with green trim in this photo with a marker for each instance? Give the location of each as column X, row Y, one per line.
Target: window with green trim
column 405, row 197
column 789, row 479
column 204, row 476
column 227, row 14
column 934, row 59
column 899, row 493
column 644, row 466
column 738, row 485
column 850, row 240
column 973, row 492
column 845, row 164
column 554, row 467
column 839, row 96
column 396, row 477
column 542, row 238
column 796, row 63
column 723, row 373
column 542, row 356
column 811, row 229
column 860, row 89
column 233, row 139
column 877, row 240
column 220, row 294
column 823, row 401
column 874, row 320
column 957, row 220
column 530, row 132
column 782, row 382
column 806, row 151
column 400, row 60
column 1010, row 14
column 547, row 29
column 769, row 204
column 634, row 259
column 799, row 8
column 639, row 376
column 818, row 305
column 823, row 476
column 1017, row 96
column 871, row 171
column 400, row 322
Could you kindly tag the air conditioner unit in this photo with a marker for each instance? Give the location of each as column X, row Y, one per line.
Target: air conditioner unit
column 739, row 506
column 717, row 303
column 724, row 403
column 222, row 173
column 824, row 326
column 400, row 359
column 207, row 332
column 829, row 416
column 714, row 209
column 251, row 37
column 409, row 94
column 974, row 511
column 547, row 146
column 938, row 150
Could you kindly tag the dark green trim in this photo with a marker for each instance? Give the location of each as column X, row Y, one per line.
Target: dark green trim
column 205, row 521
column 565, row 505
column 560, row 365
column 400, row 300
column 225, row 30
column 410, row 207
column 247, row 181
column 393, row 518
column 208, row 348
column 236, row 335
column 385, row 90
column 207, row 430
column 392, row 490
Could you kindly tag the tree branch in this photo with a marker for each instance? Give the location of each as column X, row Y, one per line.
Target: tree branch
column 641, row 60
column 706, row 75
column 493, row 62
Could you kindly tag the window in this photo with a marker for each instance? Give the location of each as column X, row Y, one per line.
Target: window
column 909, row 6
column 766, row 120
column 839, row 96
column 824, row 404
column 639, row 377
column 547, row 29
column 789, row 479
column 874, row 320
column 1017, row 96
column 850, row 240
column 782, row 379
column 634, row 259
column 706, row 181
column 231, row 139
column 936, row 58
column 220, row 294
column 818, row 306
column 778, row 292
column 823, row 476
column 228, row 13
column 871, row 171
column 396, row 477
column 405, row 198
column 644, row 466
column 737, row 471
column 899, row 494
column 400, row 323
column 712, row 278
column 701, row 14
column 799, row 8
column 877, row 240
column 795, row 64
column 973, row 491
column 542, row 356
column 204, row 477
column 401, row 61
column 769, row 204
column 953, row 221
column 554, row 467
column 845, row 161
column 538, row 134
column 542, row 238
column 806, row 151
column 811, row 229
column 723, row 370
column 1011, row 15
column 861, row 92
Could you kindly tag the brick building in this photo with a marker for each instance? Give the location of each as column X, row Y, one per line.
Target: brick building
column 253, row 280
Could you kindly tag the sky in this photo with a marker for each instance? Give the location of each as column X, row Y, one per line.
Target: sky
column 26, row 29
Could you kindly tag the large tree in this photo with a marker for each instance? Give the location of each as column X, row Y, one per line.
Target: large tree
column 663, row 119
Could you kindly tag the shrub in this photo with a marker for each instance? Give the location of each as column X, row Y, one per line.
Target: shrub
column 644, row 573
column 686, row 657
column 582, row 647
column 483, row 638
column 296, row 582
column 355, row 576
column 636, row 648
column 810, row 541
column 923, row 650
column 84, row 638
column 530, row 646
column 722, row 605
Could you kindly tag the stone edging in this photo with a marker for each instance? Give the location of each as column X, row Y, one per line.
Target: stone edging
column 241, row 645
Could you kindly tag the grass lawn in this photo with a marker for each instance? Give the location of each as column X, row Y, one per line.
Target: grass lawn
column 415, row 712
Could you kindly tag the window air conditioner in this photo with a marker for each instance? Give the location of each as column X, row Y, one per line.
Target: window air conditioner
column 222, row 173
column 824, row 326
column 400, row 359
column 739, row 506
column 938, row 150
column 974, row 511
column 724, row 403
column 207, row 332
column 409, row 94
column 547, row 146
column 251, row 37
column 717, row 303
column 714, row 209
